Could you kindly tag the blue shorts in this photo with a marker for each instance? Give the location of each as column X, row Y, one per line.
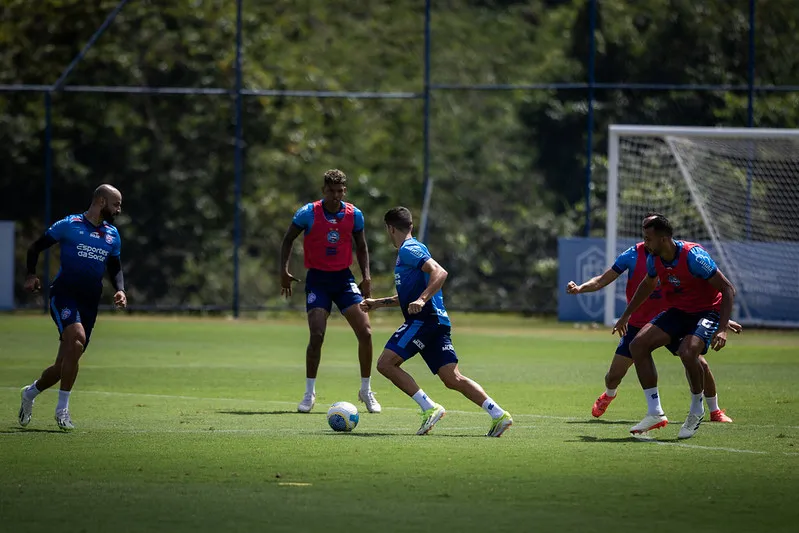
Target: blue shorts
column 680, row 324
column 624, row 343
column 65, row 311
column 432, row 340
column 322, row 289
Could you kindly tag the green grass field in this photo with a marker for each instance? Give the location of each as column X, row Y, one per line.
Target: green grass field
column 190, row 425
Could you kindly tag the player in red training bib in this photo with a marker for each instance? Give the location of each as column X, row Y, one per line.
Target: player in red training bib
column 330, row 225
column 699, row 300
column 633, row 261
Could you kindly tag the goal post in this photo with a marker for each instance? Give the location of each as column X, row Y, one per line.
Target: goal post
column 733, row 190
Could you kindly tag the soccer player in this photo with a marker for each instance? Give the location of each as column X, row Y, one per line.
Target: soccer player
column 418, row 279
column 330, row 225
column 633, row 260
column 699, row 300
column 90, row 246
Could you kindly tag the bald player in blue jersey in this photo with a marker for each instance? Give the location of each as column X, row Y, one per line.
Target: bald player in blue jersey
column 90, row 246
column 418, row 279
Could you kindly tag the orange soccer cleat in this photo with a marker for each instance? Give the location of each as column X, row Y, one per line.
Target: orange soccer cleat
column 601, row 404
column 719, row 416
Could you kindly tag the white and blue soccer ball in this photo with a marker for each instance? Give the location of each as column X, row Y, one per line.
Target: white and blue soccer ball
column 342, row 416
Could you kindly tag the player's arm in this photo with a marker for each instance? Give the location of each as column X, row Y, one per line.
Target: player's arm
column 370, row 304
column 720, row 282
column 594, row 284
column 642, row 293
column 362, row 254
column 286, row 278
column 32, row 283
column 114, row 269
column 437, row 277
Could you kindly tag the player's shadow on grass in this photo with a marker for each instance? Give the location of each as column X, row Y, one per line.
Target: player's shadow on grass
column 601, row 422
column 250, row 413
column 591, row 438
column 12, row 431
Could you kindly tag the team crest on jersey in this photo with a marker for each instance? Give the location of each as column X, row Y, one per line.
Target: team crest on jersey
column 65, row 313
column 333, row 236
column 109, row 238
column 311, row 297
column 674, row 280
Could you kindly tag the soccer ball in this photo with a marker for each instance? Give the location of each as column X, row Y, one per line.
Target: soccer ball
column 342, row 416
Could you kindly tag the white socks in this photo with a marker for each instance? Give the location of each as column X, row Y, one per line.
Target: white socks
column 366, row 384
column 712, row 403
column 491, row 407
column 63, row 400
column 653, row 402
column 310, row 385
column 424, row 402
column 610, row 393
column 32, row 392
column 696, row 404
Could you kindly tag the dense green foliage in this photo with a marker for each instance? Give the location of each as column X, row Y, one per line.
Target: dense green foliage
column 508, row 165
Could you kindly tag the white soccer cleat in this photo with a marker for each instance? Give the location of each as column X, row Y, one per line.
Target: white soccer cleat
column 307, row 403
column 368, row 397
column 691, row 425
column 649, row 423
column 25, row 408
column 63, row 420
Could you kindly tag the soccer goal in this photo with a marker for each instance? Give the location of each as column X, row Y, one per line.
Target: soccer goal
column 733, row 190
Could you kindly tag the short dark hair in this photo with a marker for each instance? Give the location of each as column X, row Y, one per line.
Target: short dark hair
column 335, row 177
column 399, row 217
column 659, row 223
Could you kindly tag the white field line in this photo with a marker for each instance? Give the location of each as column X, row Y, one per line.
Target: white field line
column 288, row 430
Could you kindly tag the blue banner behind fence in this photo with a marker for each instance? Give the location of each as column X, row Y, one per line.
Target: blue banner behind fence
column 767, row 285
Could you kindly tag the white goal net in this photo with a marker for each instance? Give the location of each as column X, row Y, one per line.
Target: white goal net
column 735, row 191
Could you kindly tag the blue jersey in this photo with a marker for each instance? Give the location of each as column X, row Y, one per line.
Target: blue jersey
column 303, row 218
column 411, row 281
column 700, row 264
column 85, row 248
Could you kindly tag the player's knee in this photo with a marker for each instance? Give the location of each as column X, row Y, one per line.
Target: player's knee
column 688, row 353
column 317, row 338
column 385, row 366
column 452, row 381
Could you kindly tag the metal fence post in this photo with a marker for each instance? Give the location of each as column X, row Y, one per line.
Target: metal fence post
column 590, row 126
column 237, row 167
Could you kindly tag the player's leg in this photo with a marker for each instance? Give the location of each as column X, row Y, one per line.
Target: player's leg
column 318, row 307
column 64, row 313
column 690, row 347
column 400, row 348
column 711, row 394
column 75, row 340
column 621, row 363
column 358, row 320
column 652, row 336
column 703, row 326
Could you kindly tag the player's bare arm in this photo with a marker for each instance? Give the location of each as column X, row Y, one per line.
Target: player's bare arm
column 370, row 304
column 720, row 282
column 362, row 254
column 32, row 283
column 594, row 284
column 644, row 290
column 437, row 278
column 286, row 278
column 114, row 269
